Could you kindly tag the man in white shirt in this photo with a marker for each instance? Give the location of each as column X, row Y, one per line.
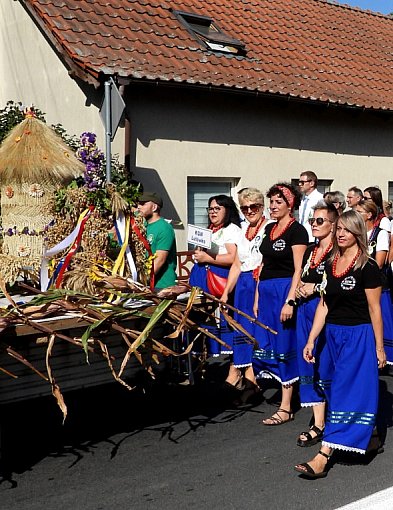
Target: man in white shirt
column 308, row 182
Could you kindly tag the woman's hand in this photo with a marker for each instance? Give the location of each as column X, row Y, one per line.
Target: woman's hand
column 308, row 352
column 381, row 356
column 224, row 297
column 200, row 257
column 304, row 290
column 286, row 313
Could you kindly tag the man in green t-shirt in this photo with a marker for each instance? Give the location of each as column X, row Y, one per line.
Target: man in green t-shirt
column 161, row 237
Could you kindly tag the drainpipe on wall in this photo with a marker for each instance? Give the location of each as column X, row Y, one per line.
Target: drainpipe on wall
column 127, row 133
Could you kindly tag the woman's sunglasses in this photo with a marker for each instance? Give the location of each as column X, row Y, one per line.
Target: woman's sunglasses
column 252, row 208
column 318, row 221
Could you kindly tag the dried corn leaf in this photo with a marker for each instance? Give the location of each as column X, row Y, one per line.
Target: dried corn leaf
column 105, row 352
column 8, row 373
column 86, row 335
column 156, row 316
column 235, row 325
column 55, row 388
column 191, row 300
column 23, row 360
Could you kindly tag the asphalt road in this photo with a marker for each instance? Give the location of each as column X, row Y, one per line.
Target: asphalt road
column 173, row 446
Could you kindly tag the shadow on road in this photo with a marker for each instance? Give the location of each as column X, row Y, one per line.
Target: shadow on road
column 33, row 430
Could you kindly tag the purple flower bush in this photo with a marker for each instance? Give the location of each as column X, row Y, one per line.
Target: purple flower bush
column 93, row 159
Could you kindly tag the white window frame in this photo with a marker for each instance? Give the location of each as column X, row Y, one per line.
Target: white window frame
column 231, row 182
column 390, row 191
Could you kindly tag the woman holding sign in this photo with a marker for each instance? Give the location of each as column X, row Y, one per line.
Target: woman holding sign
column 244, row 275
column 211, row 268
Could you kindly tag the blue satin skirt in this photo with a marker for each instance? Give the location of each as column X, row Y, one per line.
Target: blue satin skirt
column 387, row 319
column 277, row 354
column 352, row 395
column 244, row 301
column 311, row 381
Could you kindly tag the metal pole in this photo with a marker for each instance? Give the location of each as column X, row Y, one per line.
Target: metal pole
column 108, row 130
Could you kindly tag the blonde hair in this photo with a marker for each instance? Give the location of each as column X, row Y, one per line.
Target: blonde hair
column 369, row 207
column 355, row 224
column 335, row 197
column 251, row 194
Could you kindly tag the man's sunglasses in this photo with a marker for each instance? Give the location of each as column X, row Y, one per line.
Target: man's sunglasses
column 252, row 208
column 318, row 221
column 302, row 182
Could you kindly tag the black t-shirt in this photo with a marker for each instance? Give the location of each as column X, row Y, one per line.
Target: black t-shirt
column 312, row 274
column 277, row 254
column 346, row 298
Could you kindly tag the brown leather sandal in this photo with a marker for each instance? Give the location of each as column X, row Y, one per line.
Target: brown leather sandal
column 277, row 420
column 310, row 440
column 306, row 470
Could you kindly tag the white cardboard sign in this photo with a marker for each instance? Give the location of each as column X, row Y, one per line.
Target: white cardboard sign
column 199, row 236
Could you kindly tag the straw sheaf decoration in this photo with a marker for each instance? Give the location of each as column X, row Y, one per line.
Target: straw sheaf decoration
column 34, row 162
column 11, row 267
column 34, row 153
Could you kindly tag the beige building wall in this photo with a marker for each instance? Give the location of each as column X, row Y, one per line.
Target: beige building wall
column 32, row 73
column 180, row 136
column 252, row 166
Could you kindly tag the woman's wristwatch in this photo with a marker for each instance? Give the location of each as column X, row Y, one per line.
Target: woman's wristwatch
column 290, row 302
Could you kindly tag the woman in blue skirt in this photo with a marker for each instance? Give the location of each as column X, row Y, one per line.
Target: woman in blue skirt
column 282, row 248
column 311, row 380
column 350, row 309
column 224, row 222
column 378, row 249
column 244, row 275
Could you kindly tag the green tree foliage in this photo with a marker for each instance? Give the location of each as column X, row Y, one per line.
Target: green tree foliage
column 12, row 115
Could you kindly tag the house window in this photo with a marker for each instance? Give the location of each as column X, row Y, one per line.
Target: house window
column 324, row 185
column 198, row 193
column 390, row 191
column 206, row 31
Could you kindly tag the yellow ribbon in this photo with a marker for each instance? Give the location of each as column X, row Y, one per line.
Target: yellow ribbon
column 119, row 266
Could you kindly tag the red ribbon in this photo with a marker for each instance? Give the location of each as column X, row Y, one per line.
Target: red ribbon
column 146, row 244
column 73, row 248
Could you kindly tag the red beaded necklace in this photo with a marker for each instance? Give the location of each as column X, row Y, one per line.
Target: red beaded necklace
column 249, row 236
column 273, row 230
column 314, row 264
column 215, row 229
column 353, row 261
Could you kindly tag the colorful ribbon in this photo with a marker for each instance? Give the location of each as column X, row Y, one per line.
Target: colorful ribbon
column 66, row 261
column 122, row 227
column 119, row 265
column 146, row 244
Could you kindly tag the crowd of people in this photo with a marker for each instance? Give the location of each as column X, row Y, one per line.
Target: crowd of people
column 316, row 270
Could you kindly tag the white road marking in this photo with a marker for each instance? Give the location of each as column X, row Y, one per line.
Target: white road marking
column 382, row 500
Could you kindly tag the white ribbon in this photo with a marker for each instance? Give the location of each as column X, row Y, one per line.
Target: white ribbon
column 120, row 223
column 48, row 254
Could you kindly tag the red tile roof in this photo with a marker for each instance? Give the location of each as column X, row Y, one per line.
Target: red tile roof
column 310, row 49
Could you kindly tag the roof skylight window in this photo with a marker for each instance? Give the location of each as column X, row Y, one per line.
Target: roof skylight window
column 210, row 34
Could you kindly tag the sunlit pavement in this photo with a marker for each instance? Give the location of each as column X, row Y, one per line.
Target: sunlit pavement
column 176, row 446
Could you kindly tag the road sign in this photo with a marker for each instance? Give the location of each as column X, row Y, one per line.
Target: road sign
column 116, row 106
